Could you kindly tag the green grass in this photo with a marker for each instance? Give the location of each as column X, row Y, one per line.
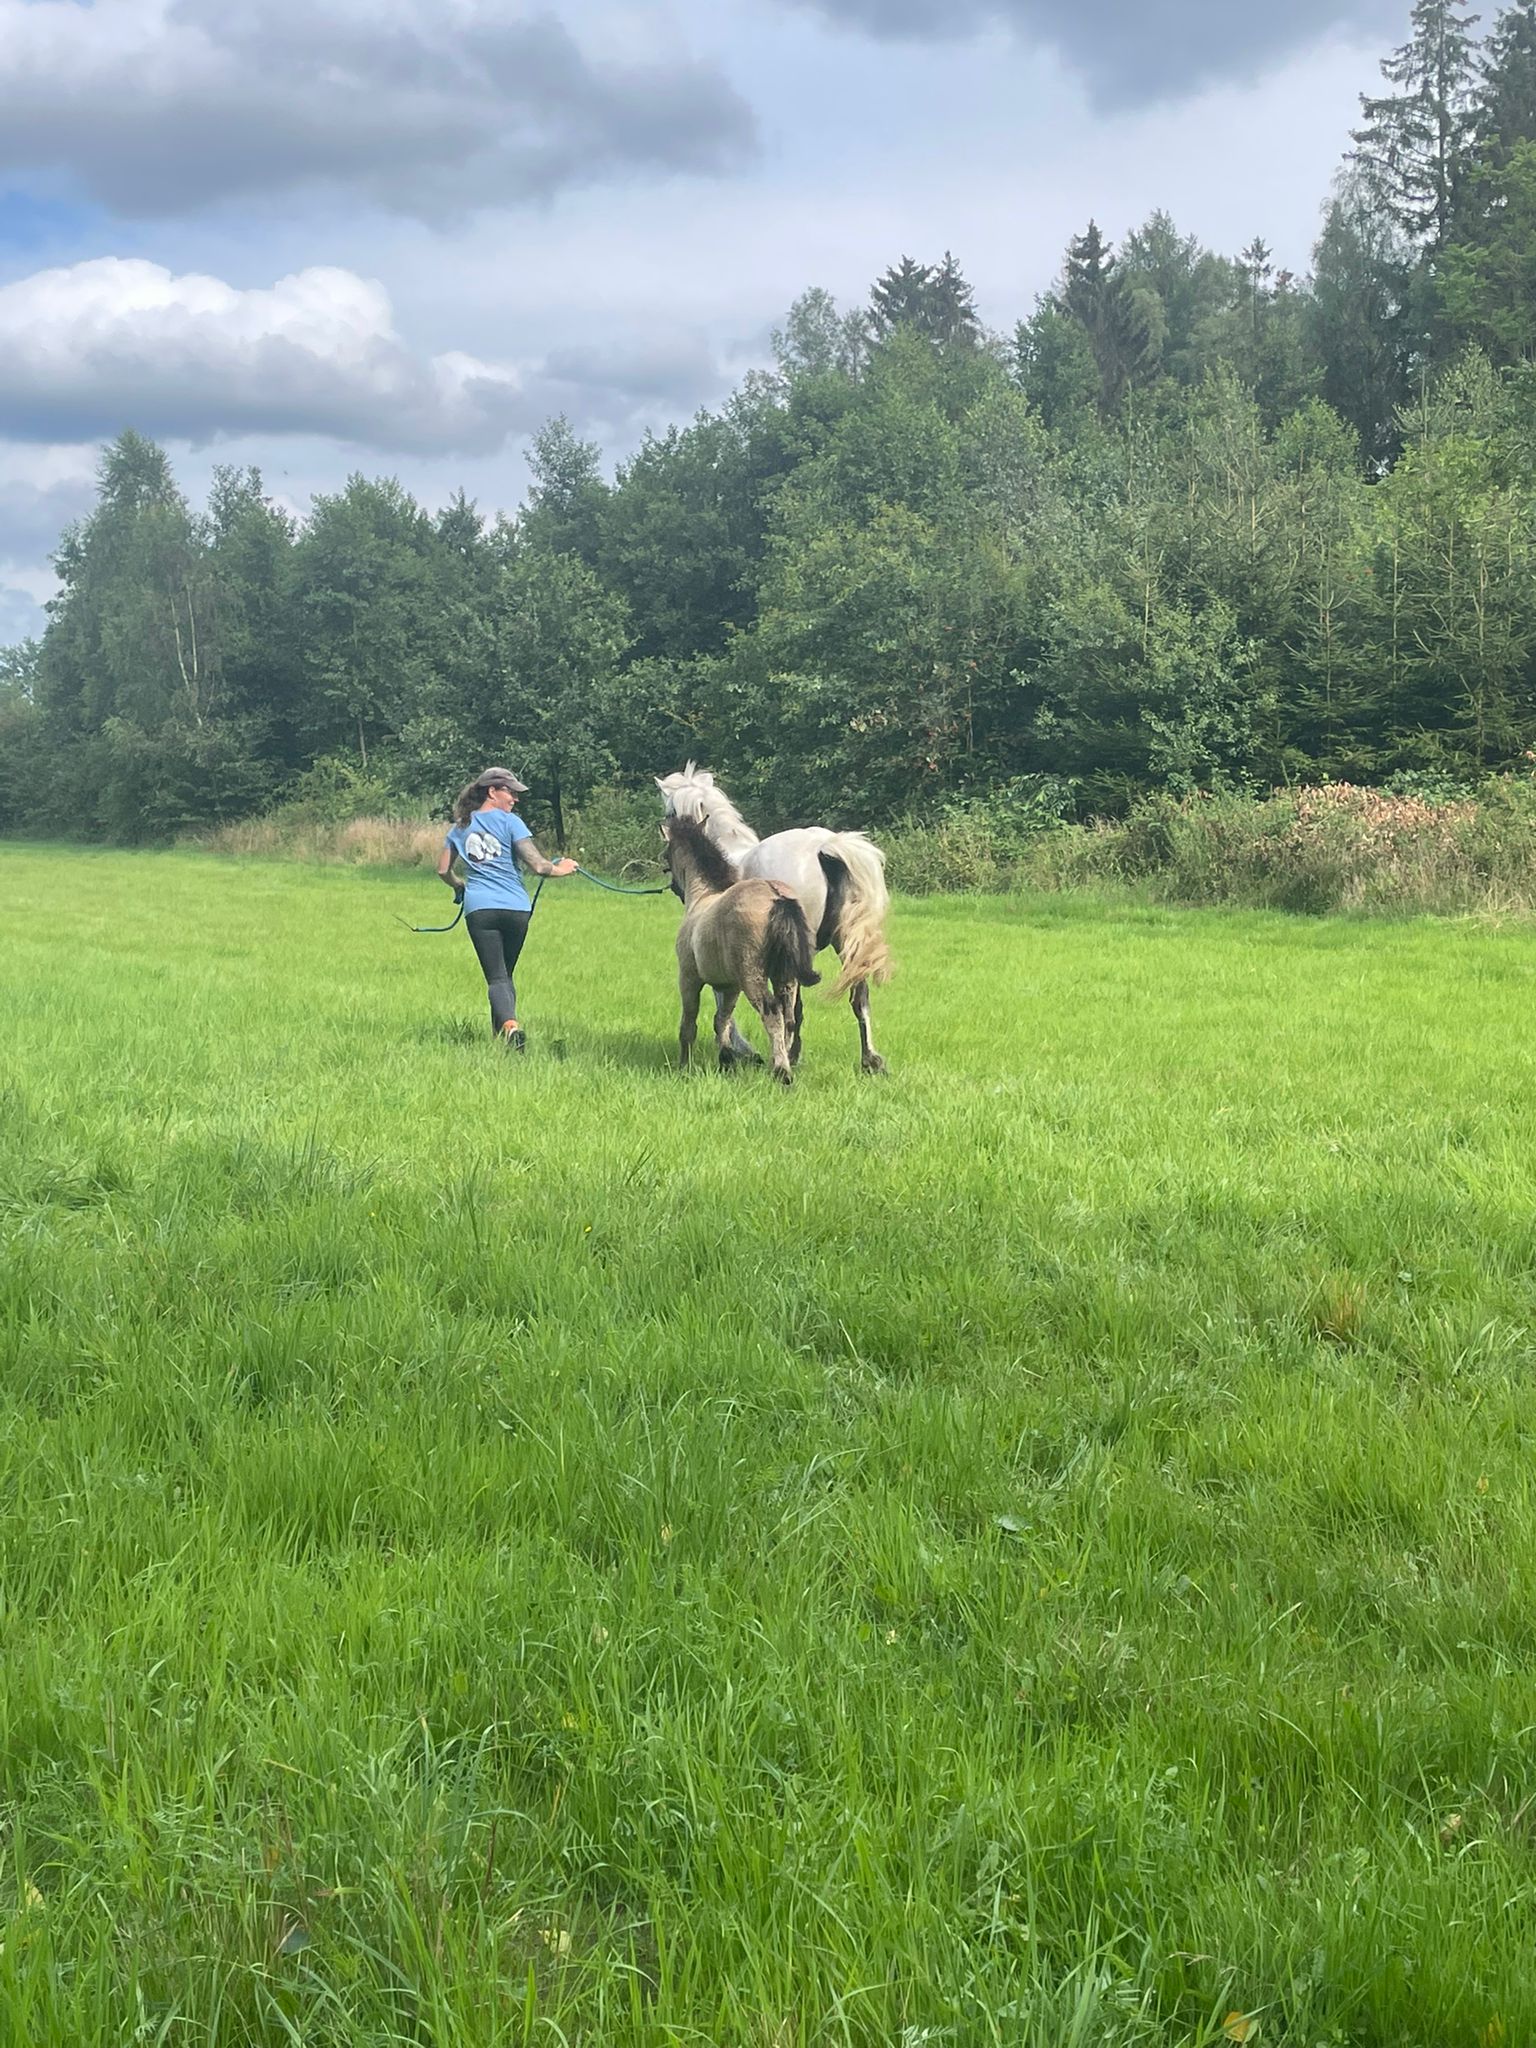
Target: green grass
column 1040, row 1550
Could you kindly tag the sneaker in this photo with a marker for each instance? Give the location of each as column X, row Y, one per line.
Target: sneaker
column 514, row 1038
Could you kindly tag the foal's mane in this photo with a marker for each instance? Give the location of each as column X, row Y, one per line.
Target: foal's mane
column 691, row 835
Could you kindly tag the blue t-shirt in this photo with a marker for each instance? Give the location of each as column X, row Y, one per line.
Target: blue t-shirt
column 492, row 878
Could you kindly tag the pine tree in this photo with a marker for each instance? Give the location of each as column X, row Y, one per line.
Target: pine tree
column 1506, row 99
column 1257, row 270
column 1486, row 277
column 935, row 303
column 900, row 298
column 1358, row 316
column 951, row 311
column 1100, row 300
column 1414, row 142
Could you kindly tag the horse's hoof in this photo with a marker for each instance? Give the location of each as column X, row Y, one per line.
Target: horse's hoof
column 873, row 1064
column 784, row 1077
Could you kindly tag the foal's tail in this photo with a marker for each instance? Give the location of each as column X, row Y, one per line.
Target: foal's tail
column 788, row 954
column 862, row 900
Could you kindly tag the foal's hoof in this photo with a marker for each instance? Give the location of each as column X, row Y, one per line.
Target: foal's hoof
column 784, row 1077
column 873, row 1064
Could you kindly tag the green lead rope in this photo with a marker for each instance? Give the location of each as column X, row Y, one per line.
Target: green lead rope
column 617, row 889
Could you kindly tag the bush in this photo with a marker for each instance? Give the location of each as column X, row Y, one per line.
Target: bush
column 333, row 791
column 1328, row 848
column 976, row 842
column 151, row 785
column 619, row 832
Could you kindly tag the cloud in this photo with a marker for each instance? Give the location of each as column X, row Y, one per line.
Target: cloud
column 21, row 616
column 677, row 371
column 1130, row 52
column 41, row 492
column 118, row 341
column 34, row 514
column 434, row 108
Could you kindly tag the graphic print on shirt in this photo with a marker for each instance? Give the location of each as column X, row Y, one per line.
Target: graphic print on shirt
column 481, row 846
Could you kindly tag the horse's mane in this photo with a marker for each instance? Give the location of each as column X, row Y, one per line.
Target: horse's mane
column 711, row 863
column 707, row 800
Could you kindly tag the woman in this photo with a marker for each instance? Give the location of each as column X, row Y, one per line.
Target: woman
column 488, row 840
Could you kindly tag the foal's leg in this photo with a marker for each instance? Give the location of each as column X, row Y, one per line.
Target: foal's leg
column 690, row 987
column 725, row 1008
column 735, row 1051
column 794, row 1028
column 776, row 1011
column 743, row 1049
column 869, row 1059
column 775, row 1006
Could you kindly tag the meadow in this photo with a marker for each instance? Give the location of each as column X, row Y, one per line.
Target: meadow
column 1037, row 1550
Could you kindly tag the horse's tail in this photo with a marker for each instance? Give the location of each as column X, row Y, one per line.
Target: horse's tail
column 788, row 954
column 860, row 901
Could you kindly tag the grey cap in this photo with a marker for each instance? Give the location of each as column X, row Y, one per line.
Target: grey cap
column 489, row 778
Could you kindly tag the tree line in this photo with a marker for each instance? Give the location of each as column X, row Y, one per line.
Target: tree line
column 1196, row 523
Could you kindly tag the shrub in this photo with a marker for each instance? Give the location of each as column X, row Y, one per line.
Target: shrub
column 619, row 832
column 975, row 842
column 334, row 791
column 1325, row 848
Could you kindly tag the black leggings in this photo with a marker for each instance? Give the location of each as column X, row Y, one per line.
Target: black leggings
column 497, row 937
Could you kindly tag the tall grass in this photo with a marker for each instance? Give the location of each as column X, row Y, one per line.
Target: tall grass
column 352, row 842
column 615, row 830
column 1039, row 1551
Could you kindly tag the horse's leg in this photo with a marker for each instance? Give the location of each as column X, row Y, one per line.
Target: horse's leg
column 794, row 1030
column 690, row 988
column 869, row 1059
column 725, row 1031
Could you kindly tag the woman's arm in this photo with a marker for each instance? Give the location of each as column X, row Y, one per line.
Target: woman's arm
column 445, row 868
column 535, row 862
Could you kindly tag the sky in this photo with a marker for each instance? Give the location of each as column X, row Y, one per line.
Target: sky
column 395, row 236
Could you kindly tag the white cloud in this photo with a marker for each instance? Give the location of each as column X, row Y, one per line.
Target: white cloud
column 428, row 107
column 41, row 492
column 118, row 341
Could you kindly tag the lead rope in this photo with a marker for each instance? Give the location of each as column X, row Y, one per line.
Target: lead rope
column 616, row 888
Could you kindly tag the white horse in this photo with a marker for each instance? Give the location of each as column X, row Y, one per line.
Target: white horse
column 839, row 878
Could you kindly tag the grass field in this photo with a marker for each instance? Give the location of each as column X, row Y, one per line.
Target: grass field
column 1039, row 1550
